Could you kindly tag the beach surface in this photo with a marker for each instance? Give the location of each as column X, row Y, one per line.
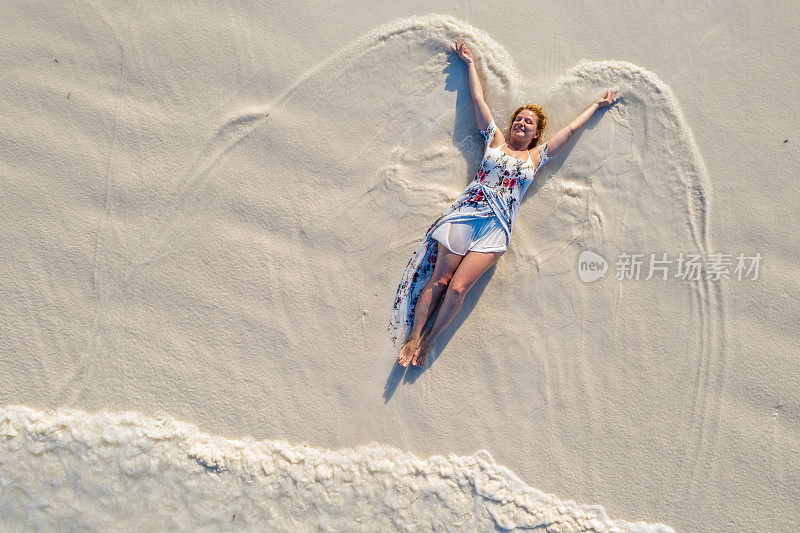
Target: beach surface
column 206, row 210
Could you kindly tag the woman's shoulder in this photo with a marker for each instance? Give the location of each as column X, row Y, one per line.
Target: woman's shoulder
column 497, row 140
column 492, row 136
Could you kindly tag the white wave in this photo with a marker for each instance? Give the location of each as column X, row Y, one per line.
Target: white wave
column 69, row 469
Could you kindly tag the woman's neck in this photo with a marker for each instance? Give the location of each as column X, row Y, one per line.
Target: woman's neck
column 517, row 147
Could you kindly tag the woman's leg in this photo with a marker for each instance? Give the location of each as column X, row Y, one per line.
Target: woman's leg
column 446, row 264
column 469, row 271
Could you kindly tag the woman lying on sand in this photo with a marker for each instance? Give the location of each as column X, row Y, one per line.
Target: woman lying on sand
column 471, row 235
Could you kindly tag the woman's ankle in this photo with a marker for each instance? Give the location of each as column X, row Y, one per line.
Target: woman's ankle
column 413, row 338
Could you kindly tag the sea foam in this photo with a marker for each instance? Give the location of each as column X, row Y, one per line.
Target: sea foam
column 69, row 469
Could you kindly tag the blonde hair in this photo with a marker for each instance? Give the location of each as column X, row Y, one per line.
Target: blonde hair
column 542, row 122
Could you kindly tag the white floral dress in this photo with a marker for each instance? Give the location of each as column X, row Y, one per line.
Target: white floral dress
column 496, row 190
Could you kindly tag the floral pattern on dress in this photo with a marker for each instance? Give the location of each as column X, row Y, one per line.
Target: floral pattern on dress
column 496, row 190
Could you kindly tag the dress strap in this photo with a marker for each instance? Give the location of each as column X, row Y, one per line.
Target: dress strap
column 528, row 151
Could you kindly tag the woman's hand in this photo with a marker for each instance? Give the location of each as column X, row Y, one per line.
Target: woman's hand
column 607, row 98
column 461, row 50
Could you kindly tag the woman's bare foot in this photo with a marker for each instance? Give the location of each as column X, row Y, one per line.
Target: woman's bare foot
column 408, row 350
column 420, row 354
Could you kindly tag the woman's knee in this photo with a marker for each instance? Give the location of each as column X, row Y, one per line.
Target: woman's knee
column 458, row 288
column 440, row 284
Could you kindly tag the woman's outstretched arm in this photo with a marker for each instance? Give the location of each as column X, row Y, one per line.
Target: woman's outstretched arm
column 482, row 114
column 558, row 140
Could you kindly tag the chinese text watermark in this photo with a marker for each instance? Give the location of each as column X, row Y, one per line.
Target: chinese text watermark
column 686, row 266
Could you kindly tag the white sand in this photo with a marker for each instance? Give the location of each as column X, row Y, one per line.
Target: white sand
column 168, row 247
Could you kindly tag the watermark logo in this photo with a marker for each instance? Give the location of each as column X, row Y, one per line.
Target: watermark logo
column 591, row 266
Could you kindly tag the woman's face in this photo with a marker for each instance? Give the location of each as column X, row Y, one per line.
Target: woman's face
column 523, row 129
